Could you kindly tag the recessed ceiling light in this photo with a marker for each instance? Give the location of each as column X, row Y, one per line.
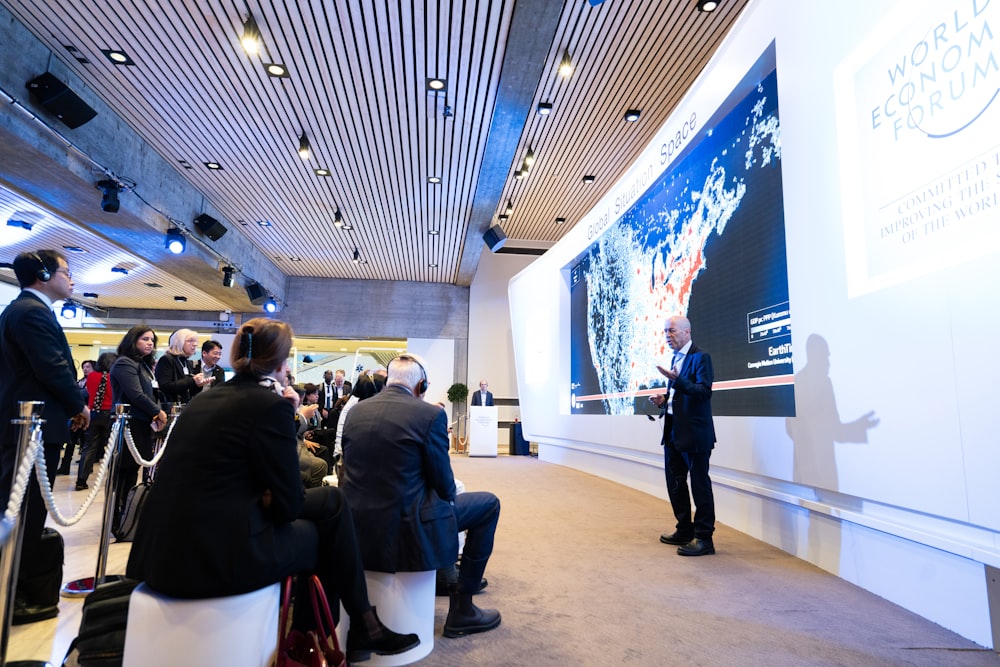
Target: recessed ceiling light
column 588, row 179
column 215, row 166
column 632, row 115
column 435, row 84
column 544, row 108
column 20, row 223
column 433, row 265
column 295, row 259
column 73, row 248
column 264, row 223
column 321, row 172
column 348, row 226
column 276, row 70
column 566, row 65
column 502, row 217
column 707, row 5
column 180, row 298
column 90, row 295
column 150, row 284
column 559, row 221
column 434, row 179
column 118, row 57
column 119, row 269
column 185, row 164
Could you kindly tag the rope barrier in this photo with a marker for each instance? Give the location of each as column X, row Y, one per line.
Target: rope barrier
column 47, row 495
column 20, row 485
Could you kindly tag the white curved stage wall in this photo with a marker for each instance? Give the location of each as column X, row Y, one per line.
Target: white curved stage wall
column 874, row 453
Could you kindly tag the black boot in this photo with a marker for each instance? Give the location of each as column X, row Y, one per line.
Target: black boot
column 465, row 618
column 367, row 635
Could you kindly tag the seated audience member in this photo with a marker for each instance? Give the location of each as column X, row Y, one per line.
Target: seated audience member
column 228, row 515
column 399, row 483
column 363, row 388
column 312, row 465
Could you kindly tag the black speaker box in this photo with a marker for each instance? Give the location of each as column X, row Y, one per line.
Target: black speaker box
column 495, row 238
column 256, row 293
column 210, row 227
column 59, row 100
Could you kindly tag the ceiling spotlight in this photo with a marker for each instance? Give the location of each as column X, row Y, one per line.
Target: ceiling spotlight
column 338, row 219
column 174, row 241
column 519, row 174
column 251, row 36
column 118, row 57
column 20, row 223
column 357, row 256
column 588, row 179
column 307, row 359
column 68, row 311
column 228, row 276
column 560, row 221
column 109, row 202
column 304, row 151
column 707, row 5
column 529, row 159
column 270, row 306
column 436, row 85
column 510, row 207
column 566, row 65
column 544, row 108
column 276, row 70
column 632, row 115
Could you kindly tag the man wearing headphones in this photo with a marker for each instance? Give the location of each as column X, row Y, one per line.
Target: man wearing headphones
column 36, row 365
column 401, row 489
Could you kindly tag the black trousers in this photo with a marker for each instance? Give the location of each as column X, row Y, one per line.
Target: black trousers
column 94, row 443
column 677, row 467
column 322, row 541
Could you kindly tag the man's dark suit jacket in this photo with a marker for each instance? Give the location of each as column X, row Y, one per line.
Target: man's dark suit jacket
column 35, row 365
column 218, row 373
column 322, row 393
column 692, row 428
column 203, row 531
column 477, row 398
column 399, row 483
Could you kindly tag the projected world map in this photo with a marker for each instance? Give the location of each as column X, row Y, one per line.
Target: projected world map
column 645, row 266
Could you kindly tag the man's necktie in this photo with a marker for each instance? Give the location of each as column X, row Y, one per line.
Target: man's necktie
column 329, row 397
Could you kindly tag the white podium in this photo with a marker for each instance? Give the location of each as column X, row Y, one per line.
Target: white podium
column 482, row 430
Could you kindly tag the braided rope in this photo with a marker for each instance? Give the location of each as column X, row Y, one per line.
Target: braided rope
column 21, row 478
column 159, row 453
column 47, row 495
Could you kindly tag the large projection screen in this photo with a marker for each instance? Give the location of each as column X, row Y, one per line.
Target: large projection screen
column 888, row 177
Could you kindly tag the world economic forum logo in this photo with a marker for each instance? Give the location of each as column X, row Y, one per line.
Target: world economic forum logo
column 947, row 78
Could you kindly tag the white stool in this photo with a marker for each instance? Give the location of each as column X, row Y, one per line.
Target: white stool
column 405, row 603
column 234, row 630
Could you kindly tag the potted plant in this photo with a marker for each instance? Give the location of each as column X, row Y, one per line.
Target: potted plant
column 457, row 394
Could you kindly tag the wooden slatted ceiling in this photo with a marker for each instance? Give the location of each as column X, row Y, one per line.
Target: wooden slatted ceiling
column 357, row 89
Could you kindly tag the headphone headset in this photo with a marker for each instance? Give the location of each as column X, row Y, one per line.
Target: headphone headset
column 43, row 273
column 422, row 386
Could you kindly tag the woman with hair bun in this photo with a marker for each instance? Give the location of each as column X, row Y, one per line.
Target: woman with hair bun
column 228, row 513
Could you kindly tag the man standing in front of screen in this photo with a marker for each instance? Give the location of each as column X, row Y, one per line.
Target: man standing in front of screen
column 688, row 439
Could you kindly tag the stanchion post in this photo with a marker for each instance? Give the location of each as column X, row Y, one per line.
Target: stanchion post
column 29, row 415
column 110, row 493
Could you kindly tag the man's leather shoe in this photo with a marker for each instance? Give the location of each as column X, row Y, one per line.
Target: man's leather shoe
column 697, row 547
column 675, row 538
column 25, row 612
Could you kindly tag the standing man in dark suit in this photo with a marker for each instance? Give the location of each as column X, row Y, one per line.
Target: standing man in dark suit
column 688, row 440
column 332, row 390
column 209, row 367
column 401, row 489
column 483, row 397
column 36, row 365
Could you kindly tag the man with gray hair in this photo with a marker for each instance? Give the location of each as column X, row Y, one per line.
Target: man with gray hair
column 401, row 489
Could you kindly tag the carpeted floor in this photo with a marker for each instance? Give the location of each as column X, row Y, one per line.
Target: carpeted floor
column 581, row 578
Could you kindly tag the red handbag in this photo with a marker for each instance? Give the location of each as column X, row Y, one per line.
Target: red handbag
column 315, row 648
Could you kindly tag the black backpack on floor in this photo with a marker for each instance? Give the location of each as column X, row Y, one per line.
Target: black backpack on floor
column 101, row 642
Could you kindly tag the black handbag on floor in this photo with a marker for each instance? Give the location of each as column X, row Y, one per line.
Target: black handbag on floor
column 39, row 581
column 128, row 521
column 101, row 642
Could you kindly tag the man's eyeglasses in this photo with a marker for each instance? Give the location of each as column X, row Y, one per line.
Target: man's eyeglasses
column 69, row 274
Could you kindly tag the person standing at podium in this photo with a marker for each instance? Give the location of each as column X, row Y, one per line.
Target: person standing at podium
column 483, row 397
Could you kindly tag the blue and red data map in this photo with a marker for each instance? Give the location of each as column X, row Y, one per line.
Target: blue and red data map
column 705, row 240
